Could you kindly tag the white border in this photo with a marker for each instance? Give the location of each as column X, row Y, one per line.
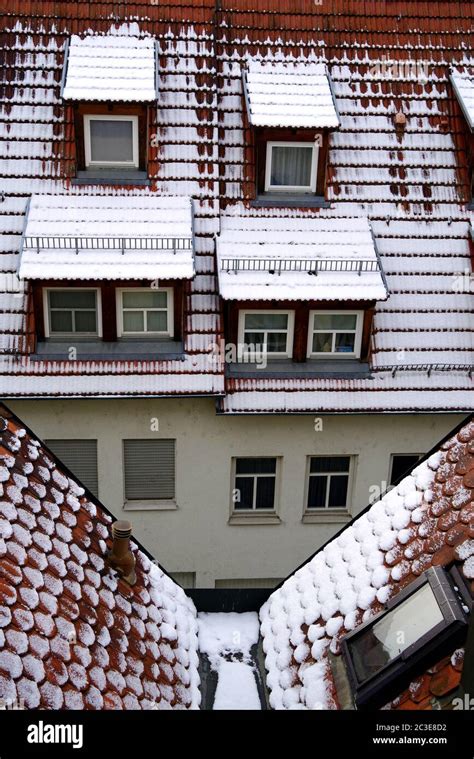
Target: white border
column 170, row 312
column 291, row 188
column 72, row 335
column 87, row 140
column 358, row 335
column 290, row 331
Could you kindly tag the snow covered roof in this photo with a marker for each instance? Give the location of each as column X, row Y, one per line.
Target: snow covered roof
column 426, row 520
column 108, row 237
column 110, row 67
column 289, row 94
column 72, row 634
column 463, row 84
column 411, row 185
column 306, row 258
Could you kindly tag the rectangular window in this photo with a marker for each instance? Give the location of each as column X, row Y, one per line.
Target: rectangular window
column 254, row 484
column 80, row 457
column 328, row 482
column 335, row 334
column 72, row 312
column 149, row 470
column 291, row 167
column 401, row 463
column 111, row 141
column 269, row 332
column 145, row 313
column 419, row 624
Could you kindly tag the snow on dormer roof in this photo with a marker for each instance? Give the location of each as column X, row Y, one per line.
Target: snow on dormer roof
column 288, row 94
column 110, row 67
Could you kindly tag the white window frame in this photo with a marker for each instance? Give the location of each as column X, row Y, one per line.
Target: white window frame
column 291, row 188
column 358, row 334
column 326, row 509
column 170, row 312
column 261, row 512
column 289, row 332
column 133, row 164
column 72, row 335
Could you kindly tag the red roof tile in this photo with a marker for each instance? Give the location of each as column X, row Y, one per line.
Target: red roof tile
column 73, row 634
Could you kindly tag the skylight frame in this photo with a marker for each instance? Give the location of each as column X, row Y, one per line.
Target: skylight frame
column 379, row 688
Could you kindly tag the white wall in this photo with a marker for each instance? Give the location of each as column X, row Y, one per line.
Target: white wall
column 196, row 537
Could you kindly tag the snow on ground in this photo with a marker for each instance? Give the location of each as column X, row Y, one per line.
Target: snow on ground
column 226, row 639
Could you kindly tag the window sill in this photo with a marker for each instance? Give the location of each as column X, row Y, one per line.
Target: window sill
column 326, row 516
column 335, row 368
column 150, row 506
column 99, row 350
column 248, row 518
column 115, row 177
column 283, row 200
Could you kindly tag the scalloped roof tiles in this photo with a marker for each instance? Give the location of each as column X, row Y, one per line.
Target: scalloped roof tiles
column 426, row 520
column 73, row 635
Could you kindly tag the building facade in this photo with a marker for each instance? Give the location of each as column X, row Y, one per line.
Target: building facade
column 231, row 242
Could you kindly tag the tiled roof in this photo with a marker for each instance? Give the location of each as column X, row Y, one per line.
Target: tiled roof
column 275, row 258
column 426, row 520
column 37, row 143
column 289, row 94
column 74, row 635
column 111, row 68
column 463, row 84
column 411, row 184
column 118, row 238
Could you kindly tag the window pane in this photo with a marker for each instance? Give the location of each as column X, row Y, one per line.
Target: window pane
column 157, row 321
column 255, row 466
column 72, row 298
column 60, row 321
column 111, row 141
column 401, row 464
column 338, row 491
column 245, row 487
column 265, row 493
column 395, row 632
column 322, row 342
column 330, row 463
column 133, row 321
column 276, row 342
column 335, row 321
column 317, row 492
column 257, row 339
column 85, row 321
column 291, row 166
column 266, row 321
column 144, row 299
column 345, row 343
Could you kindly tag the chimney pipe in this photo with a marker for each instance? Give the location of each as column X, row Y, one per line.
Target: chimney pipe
column 120, row 557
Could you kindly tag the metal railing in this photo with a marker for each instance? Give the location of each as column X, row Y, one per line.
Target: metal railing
column 309, row 265
column 428, row 368
column 53, row 242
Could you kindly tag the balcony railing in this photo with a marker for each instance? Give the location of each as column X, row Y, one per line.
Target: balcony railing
column 48, row 242
column 309, row 265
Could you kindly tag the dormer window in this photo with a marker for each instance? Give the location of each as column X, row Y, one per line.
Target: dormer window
column 110, row 82
column 462, row 81
column 291, row 167
column 426, row 620
column 335, row 334
column 145, row 313
column 71, row 312
column 291, row 111
column 111, row 141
